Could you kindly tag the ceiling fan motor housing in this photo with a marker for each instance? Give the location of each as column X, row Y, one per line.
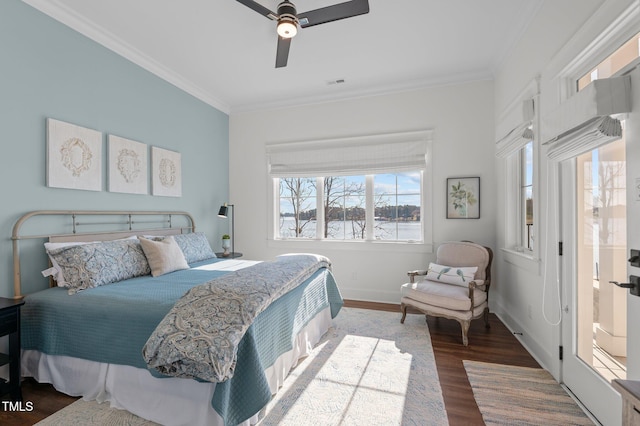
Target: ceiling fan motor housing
column 287, row 14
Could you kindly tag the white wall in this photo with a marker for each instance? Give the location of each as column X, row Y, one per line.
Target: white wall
column 560, row 35
column 461, row 117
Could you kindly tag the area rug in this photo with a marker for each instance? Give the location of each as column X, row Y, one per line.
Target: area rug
column 90, row 413
column 368, row 369
column 509, row 395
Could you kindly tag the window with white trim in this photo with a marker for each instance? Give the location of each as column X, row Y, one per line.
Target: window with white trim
column 518, row 149
column 364, row 188
column 382, row 207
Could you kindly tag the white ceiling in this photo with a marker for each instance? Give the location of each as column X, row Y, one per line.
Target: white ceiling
column 224, row 53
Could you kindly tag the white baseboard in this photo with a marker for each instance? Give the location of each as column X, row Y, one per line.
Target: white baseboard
column 547, row 360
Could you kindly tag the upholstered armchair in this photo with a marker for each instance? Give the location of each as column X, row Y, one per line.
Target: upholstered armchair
column 455, row 286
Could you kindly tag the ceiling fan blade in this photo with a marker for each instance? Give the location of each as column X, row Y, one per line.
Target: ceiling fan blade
column 333, row 13
column 259, row 8
column 283, row 52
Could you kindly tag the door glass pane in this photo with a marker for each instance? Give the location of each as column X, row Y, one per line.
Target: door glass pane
column 601, row 246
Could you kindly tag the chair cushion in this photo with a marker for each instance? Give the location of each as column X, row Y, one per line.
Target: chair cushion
column 442, row 312
column 462, row 253
column 443, row 295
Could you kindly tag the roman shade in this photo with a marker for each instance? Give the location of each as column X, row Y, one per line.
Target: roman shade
column 584, row 122
column 384, row 153
column 597, row 132
column 519, row 136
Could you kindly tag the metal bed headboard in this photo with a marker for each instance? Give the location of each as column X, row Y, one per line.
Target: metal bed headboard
column 123, row 221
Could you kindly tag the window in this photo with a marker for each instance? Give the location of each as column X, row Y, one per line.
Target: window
column 519, row 150
column 344, row 208
column 397, row 207
column 365, row 188
column 526, row 197
column 383, row 207
column 297, row 208
column 619, row 59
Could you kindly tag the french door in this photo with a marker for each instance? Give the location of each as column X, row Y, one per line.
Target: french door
column 594, row 235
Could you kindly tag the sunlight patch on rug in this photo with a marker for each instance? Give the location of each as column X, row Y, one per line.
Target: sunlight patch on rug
column 369, row 369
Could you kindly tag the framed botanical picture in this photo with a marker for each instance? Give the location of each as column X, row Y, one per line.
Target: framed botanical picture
column 74, row 156
column 463, row 198
column 166, row 169
column 127, row 166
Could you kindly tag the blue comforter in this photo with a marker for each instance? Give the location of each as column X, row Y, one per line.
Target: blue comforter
column 112, row 323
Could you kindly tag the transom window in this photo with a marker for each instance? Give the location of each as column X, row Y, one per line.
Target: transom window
column 622, row 57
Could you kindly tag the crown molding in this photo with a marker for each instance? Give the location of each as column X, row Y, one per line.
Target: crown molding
column 379, row 90
column 68, row 17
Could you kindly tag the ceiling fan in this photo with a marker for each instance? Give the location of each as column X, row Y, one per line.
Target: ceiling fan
column 289, row 20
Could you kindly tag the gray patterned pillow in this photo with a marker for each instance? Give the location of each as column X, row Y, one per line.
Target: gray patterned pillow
column 194, row 246
column 92, row 265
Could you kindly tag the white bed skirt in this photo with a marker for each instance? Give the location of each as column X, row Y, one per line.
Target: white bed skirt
column 168, row 401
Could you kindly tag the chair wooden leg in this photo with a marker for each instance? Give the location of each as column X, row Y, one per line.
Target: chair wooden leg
column 403, row 307
column 465, row 329
column 486, row 318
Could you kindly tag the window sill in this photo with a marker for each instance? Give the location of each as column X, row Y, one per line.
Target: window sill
column 373, row 246
column 522, row 260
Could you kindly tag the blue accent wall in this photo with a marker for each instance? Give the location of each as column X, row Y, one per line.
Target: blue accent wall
column 50, row 70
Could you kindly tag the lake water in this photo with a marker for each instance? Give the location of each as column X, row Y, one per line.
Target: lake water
column 402, row 231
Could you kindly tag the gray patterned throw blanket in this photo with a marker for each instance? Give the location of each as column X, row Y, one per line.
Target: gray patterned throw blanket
column 199, row 337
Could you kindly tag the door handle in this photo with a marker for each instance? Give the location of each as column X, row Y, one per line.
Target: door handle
column 634, row 285
column 623, row 285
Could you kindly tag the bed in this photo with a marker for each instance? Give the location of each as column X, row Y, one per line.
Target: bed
column 116, row 341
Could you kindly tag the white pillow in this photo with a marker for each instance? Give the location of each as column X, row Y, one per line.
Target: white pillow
column 456, row 275
column 164, row 256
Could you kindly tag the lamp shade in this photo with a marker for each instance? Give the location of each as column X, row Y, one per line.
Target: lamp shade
column 223, row 211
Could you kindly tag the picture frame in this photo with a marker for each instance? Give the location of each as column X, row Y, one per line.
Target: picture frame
column 127, row 166
column 166, row 169
column 74, row 156
column 463, row 198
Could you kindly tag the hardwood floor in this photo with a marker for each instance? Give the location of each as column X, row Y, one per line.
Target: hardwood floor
column 495, row 344
column 45, row 401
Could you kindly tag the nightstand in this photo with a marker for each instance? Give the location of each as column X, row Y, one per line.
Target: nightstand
column 231, row 255
column 10, row 326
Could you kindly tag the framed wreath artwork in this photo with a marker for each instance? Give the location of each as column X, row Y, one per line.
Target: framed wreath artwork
column 127, row 166
column 166, row 169
column 74, row 156
column 463, row 198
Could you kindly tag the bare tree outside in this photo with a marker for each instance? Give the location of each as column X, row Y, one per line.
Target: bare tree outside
column 344, row 202
column 300, row 194
column 610, row 196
